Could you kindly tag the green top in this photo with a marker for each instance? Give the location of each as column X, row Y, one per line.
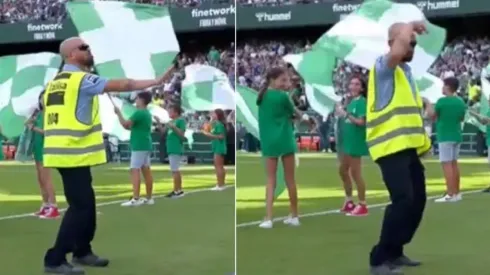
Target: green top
column 38, row 138
column 354, row 136
column 1, row 148
column 218, row 146
column 214, row 55
column 140, row 138
column 175, row 143
column 450, row 111
column 276, row 128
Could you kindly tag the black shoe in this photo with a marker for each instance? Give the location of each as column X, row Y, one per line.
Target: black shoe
column 65, row 269
column 385, row 269
column 405, row 261
column 486, row 190
column 91, row 260
column 175, row 194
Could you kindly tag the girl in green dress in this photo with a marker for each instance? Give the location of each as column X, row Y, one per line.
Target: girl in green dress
column 218, row 146
column 1, row 145
column 48, row 209
column 276, row 130
column 354, row 147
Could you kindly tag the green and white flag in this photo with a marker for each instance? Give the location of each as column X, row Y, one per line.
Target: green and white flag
column 142, row 46
column 362, row 36
column 22, row 78
column 482, row 107
column 247, row 113
column 206, row 88
column 317, row 69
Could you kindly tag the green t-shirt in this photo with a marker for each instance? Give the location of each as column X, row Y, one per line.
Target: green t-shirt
column 218, row 146
column 140, row 138
column 450, row 111
column 38, row 139
column 354, row 136
column 275, row 124
column 174, row 143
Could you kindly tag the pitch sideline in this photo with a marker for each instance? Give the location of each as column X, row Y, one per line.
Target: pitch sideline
column 201, row 190
column 335, row 211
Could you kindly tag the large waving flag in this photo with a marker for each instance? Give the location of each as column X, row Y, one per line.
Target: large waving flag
column 247, row 113
column 22, row 78
column 206, row 88
column 142, row 46
column 362, row 36
column 317, row 70
column 482, row 107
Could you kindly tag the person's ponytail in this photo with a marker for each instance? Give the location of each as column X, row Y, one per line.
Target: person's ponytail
column 262, row 93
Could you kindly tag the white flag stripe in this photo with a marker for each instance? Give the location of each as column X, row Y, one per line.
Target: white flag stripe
column 131, row 41
column 28, row 60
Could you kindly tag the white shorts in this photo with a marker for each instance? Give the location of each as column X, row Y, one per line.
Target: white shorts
column 174, row 161
column 140, row 159
column 448, row 151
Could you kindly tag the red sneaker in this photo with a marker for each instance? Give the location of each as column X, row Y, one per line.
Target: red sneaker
column 348, row 207
column 42, row 211
column 51, row 214
column 361, row 210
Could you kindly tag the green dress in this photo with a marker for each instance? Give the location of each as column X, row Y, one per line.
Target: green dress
column 1, row 148
column 354, row 136
column 218, row 146
column 38, row 139
column 276, row 128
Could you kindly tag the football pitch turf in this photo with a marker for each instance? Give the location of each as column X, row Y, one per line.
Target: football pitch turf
column 450, row 241
column 193, row 235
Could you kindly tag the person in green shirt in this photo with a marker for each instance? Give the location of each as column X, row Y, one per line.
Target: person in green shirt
column 141, row 146
column 449, row 113
column 485, row 120
column 1, row 145
column 276, row 131
column 354, row 147
column 174, row 144
column 35, row 123
column 218, row 146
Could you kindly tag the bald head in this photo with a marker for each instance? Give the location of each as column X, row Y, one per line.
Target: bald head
column 75, row 51
column 394, row 30
column 68, row 45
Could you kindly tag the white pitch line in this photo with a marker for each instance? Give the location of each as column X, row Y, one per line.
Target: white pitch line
column 19, row 216
column 335, row 211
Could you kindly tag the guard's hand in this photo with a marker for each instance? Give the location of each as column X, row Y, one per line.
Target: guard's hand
column 419, row 27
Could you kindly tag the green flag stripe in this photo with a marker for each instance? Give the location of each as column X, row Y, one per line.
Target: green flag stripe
column 374, row 10
column 84, row 16
column 147, row 11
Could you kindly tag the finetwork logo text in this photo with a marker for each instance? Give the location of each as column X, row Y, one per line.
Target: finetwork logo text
column 44, row 27
column 213, row 12
column 264, row 16
column 345, row 8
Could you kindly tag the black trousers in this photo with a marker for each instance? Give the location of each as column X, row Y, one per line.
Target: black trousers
column 77, row 229
column 403, row 174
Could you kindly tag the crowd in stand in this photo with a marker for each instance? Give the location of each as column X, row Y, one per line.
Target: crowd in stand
column 13, row 11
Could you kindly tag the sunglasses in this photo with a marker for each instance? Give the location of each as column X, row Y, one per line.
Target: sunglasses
column 413, row 44
column 84, row 47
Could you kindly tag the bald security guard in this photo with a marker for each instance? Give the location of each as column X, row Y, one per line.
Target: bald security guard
column 74, row 143
column 396, row 138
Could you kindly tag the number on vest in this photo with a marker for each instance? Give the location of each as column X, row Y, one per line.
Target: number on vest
column 53, row 118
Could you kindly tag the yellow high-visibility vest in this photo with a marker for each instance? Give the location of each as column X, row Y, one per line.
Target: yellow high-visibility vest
column 399, row 125
column 67, row 141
